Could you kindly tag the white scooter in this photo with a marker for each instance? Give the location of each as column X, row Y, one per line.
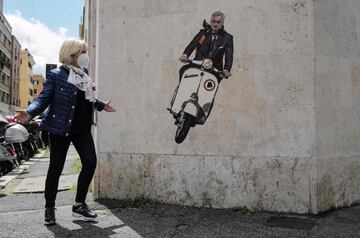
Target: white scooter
column 194, row 96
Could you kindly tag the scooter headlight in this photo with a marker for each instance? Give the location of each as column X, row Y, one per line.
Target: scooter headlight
column 207, row 64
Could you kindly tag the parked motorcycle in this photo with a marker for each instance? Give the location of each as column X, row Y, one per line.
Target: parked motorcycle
column 8, row 159
column 41, row 135
column 16, row 135
column 194, row 97
column 33, row 143
column 18, row 142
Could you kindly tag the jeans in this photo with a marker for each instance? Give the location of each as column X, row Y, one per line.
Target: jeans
column 59, row 146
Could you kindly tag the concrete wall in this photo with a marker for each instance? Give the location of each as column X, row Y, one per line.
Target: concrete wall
column 337, row 71
column 258, row 147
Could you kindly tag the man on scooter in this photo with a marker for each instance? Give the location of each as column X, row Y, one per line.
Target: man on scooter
column 212, row 42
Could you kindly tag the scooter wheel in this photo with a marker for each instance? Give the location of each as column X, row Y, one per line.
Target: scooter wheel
column 185, row 122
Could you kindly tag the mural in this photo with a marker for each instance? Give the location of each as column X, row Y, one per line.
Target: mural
column 199, row 80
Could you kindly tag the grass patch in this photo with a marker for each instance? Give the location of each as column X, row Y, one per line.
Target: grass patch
column 77, row 165
column 45, row 151
column 242, row 210
column 74, row 188
column 24, row 171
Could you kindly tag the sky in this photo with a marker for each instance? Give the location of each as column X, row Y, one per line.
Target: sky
column 42, row 25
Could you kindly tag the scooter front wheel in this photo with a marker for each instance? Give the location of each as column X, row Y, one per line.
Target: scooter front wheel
column 185, row 122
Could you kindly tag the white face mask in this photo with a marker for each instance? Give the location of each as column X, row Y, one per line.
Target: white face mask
column 83, row 60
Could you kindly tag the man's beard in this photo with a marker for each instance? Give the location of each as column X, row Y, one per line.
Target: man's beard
column 217, row 28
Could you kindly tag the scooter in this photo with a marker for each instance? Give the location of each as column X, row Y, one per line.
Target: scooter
column 194, row 97
column 39, row 132
column 8, row 159
column 16, row 135
column 33, row 143
column 8, row 156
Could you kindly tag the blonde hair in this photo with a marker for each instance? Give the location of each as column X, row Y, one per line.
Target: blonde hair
column 69, row 48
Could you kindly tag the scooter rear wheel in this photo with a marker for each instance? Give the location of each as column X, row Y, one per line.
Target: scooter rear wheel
column 185, row 122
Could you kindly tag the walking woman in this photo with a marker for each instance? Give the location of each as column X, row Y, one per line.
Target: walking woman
column 70, row 95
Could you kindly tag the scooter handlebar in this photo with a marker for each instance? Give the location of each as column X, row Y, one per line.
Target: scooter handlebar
column 200, row 62
column 197, row 62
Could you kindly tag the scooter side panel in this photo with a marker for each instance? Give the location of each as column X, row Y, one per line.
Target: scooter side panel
column 207, row 91
column 188, row 85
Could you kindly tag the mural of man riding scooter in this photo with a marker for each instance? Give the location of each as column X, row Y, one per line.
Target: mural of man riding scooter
column 199, row 78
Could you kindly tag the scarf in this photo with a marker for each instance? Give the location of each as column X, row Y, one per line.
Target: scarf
column 82, row 81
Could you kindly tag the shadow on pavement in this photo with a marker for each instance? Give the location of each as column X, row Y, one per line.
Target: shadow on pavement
column 88, row 229
column 153, row 219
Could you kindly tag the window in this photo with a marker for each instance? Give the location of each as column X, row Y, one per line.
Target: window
column 35, row 91
column 31, row 92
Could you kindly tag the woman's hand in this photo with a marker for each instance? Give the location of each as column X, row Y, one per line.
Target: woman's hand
column 109, row 108
column 22, row 117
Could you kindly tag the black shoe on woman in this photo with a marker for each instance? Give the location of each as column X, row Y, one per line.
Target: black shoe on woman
column 84, row 212
column 50, row 216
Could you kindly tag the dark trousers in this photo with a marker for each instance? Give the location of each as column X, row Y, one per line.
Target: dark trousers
column 59, row 146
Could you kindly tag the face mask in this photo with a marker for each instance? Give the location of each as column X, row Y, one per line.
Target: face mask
column 83, row 60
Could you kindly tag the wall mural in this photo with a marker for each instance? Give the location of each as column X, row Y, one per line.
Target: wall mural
column 199, row 79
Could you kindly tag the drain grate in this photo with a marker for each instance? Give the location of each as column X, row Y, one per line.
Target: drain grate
column 291, row 222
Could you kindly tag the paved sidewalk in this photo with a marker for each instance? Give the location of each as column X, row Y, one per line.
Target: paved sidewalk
column 21, row 215
column 156, row 220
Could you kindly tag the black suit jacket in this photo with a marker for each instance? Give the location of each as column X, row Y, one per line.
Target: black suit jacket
column 224, row 46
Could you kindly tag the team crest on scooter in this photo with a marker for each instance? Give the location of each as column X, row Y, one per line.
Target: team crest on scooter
column 209, row 85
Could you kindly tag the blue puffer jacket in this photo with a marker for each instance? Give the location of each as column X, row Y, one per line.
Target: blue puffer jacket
column 61, row 97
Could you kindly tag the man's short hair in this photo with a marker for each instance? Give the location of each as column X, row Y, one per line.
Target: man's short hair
column 219, row 14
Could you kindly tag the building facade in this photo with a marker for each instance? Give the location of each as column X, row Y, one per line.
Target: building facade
column 15, row 75
column 38, row 81
column 26, row 88
column 49, row 67
column 5, row 64
column 284, row 131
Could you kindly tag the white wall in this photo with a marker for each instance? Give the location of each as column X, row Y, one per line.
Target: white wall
column 258, row 147
column 337, row 65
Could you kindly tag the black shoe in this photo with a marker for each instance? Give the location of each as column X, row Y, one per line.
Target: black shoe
column 50, row 216
column 83, row 211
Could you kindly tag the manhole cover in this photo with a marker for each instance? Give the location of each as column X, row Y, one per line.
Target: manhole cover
column 290, row 222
